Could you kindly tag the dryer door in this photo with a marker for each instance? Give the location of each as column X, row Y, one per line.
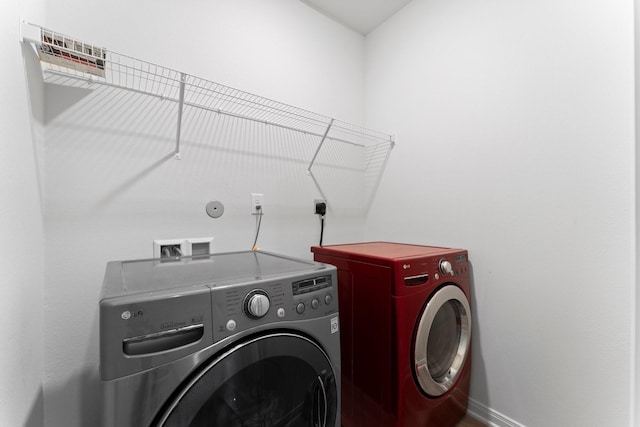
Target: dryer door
column 280, row 379
column 442, row 340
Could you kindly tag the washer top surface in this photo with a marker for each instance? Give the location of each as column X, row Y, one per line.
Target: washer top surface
column 381, row 250
column 137, row 276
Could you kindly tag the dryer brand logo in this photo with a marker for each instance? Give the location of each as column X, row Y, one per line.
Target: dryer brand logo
column 126, row 315
column 406, row 266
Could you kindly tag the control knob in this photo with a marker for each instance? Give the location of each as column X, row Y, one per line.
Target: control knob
column 446, row 267
column 256, row 304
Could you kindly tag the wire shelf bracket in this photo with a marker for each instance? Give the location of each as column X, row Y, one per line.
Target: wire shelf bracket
column 183, row 78
column 324, row 137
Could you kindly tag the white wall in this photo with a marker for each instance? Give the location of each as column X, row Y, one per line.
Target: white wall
column 21, row 254
column 636, row 393
column 112, row 186
column 515, row 129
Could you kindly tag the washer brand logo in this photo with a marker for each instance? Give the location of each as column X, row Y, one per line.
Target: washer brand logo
column 334, row 325
column 126, row 315
column 406, row 266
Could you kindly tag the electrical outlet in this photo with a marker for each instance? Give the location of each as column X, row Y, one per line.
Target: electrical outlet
column 257, row 203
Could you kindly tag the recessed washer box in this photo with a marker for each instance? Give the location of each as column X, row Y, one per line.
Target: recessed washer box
column 182, row 247
column 200, row 246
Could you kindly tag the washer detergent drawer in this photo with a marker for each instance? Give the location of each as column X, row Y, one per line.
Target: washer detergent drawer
column 144, row 333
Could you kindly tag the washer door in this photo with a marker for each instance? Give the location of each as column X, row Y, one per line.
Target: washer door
column 280, row 379
column 442, row 340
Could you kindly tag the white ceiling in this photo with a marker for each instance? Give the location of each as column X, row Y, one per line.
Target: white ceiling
column 360, row 15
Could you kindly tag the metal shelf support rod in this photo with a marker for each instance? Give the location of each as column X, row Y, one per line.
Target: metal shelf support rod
column 183, row 78
column 324, row 137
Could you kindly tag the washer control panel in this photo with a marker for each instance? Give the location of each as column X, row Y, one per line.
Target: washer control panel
column 241, row 307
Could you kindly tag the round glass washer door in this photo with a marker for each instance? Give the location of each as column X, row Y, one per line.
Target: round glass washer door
column 274, row 380
column 442, row 340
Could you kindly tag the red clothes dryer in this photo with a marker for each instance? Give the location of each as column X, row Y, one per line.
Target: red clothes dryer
column 405, row 333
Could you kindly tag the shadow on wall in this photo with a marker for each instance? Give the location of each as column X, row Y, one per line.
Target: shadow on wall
column 35, row 97
column 479, row 394
column 36, row 414
column 132, row 180
column 84, row 387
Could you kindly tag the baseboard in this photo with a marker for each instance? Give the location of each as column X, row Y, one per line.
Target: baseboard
column 487, row 415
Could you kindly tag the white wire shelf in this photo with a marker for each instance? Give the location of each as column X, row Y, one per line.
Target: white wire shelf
column 68, row 61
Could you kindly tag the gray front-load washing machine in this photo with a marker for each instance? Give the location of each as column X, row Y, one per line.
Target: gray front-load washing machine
column 231, row 339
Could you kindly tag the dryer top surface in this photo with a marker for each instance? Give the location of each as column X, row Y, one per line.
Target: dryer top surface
column 382, row 250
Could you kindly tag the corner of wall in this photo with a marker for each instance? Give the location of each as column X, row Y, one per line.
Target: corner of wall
column 21, row 225
column 635, row 356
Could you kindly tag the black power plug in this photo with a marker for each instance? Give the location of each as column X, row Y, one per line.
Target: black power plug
column 321, row 208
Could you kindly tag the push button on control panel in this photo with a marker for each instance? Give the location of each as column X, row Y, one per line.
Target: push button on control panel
column 327, row 299
column 300, row 308
column 315, row 303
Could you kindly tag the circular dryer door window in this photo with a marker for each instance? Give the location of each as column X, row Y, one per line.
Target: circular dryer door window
column 442, row 340
column 279, row 379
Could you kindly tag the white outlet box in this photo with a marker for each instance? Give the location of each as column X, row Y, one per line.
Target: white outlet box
column 257, row 200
